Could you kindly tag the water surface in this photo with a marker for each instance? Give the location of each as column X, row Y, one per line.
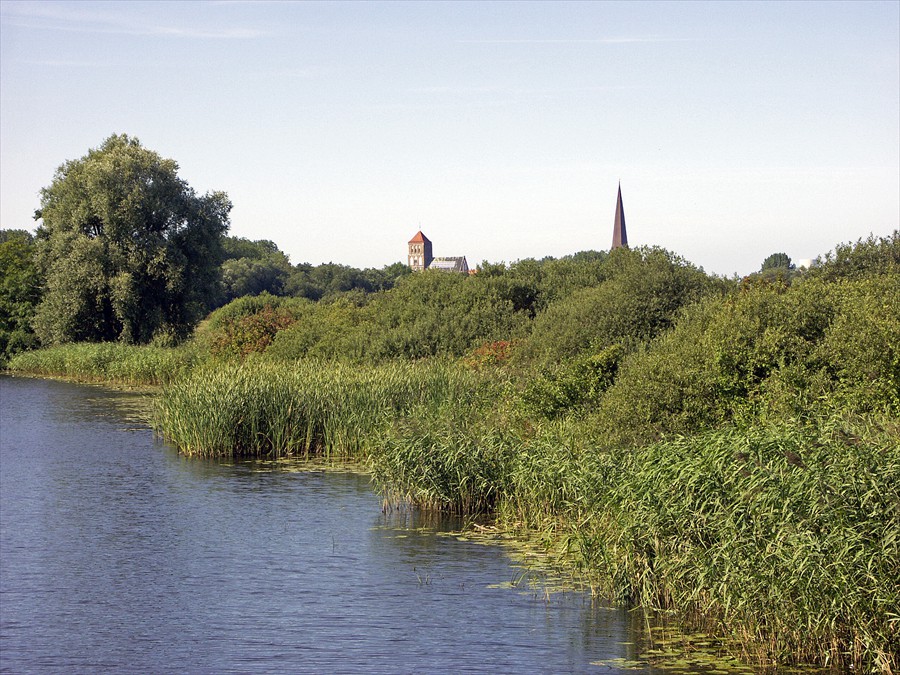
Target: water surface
column 119, row 555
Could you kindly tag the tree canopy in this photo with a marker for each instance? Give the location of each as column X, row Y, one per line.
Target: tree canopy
column 128, row 250
column 19, row 292
column 777, row 261
column 252, row 267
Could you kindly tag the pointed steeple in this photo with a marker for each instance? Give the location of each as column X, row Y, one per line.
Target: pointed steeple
column 620, row 238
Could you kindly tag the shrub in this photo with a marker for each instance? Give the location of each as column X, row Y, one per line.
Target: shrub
column 638, row 299
column 490, row 354
column 251, row 333
column 867, row 257
column 768, row 351
column 580, row 382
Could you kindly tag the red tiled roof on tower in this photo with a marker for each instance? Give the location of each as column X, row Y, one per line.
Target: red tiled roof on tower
column 620, row 238
column 419, row 252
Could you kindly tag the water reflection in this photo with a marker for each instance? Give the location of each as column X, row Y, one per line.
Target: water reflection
column 117, row 554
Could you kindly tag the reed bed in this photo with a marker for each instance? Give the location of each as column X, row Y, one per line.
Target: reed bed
column 786, row 538
column 444, row 458
column 264, row 408
column 108, row 362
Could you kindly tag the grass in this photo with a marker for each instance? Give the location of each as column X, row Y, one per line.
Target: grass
column 269, row 409
column 110, row 362
column 784, row 538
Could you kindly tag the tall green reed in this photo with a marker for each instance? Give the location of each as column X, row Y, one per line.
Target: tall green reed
column 108, row 362
column 269, row 408
column 786, row 537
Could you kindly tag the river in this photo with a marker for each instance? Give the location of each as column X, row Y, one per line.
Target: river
column 117, row 554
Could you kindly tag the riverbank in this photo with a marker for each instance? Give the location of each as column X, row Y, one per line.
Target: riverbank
column 108, row 363
column 781, row 539
column 732, row 457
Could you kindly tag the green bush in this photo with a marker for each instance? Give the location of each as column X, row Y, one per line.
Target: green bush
column 867, row 257
column 638, row 298
column 577, row 383
column 862, row 347
column 251, row 333
column 332, row 329
column 424, row 315
column 766, row 352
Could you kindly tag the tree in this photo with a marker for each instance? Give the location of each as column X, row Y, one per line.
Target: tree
column 252, row 267
column 128, row 249
column 329, row 279
column 19, row 292
column 252, row 276
column 241, row 247
column 777, row 261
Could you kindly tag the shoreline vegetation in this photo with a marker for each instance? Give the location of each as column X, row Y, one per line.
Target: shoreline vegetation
column 729, row 450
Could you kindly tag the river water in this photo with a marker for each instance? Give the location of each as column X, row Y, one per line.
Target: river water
column 117, row 554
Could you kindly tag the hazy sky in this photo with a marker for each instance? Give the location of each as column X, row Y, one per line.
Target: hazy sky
column 500, row 129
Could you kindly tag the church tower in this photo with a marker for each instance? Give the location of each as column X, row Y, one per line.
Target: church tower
column 419, row 257
column 620, row 238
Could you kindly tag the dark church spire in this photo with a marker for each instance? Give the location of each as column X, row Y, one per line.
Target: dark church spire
column 620, row 238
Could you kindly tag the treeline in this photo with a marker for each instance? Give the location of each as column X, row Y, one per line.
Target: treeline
column 255, row 267
column 247, row 268
column 126, row 251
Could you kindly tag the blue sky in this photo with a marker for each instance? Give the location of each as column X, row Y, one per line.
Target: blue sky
column 499, row 129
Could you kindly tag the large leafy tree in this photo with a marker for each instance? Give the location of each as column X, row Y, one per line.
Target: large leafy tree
column 129, row 251
column 19, row 292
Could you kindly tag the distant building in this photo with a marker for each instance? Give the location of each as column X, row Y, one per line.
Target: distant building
column 454, row 264
column 419, row 257
column 620, row 237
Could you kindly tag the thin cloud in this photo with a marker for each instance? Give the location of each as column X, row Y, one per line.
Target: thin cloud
column 474, row 91
column 62, row 63
column 73, row 18
column 568, row 41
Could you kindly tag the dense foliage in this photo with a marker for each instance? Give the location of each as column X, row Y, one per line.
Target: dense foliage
column 20, row 291
column 127, row 249
column 252, row 267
